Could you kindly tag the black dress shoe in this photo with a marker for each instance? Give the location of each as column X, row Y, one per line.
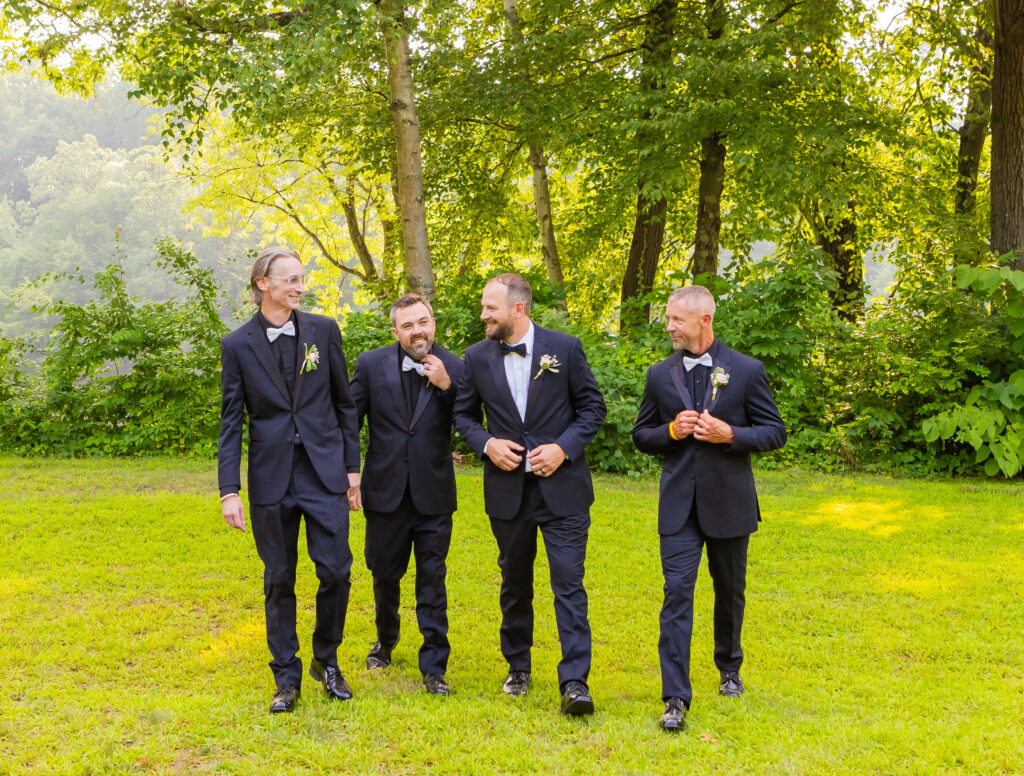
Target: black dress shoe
column 576, row 699
column 517, row 684
column 332, row 680
column 436, row 685
column 674, row 717
column 731, row 686
column 284, row 700
column 379, row 657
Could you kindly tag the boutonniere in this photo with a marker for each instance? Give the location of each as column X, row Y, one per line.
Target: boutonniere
column 312, row 358
column 719, row 379
column 548, row 363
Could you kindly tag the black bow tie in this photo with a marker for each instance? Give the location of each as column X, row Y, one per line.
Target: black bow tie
column 519, row 350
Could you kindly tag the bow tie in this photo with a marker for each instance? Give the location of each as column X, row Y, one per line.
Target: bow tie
column 287, row 330
column 703, row 360
column 408, row 365
column 519, row 350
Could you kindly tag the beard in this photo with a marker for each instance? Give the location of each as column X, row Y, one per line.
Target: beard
column 419, row 347
column 501, row 331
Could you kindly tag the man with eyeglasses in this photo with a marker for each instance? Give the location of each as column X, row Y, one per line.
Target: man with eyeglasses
column 286, row 370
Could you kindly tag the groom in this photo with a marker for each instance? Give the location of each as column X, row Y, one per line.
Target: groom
column 543, row 407
column 705, row 409
column 285, row 370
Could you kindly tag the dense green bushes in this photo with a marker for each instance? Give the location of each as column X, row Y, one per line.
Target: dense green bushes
column 930, row 380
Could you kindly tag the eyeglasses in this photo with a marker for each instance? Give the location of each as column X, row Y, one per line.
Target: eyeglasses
column 290, row 280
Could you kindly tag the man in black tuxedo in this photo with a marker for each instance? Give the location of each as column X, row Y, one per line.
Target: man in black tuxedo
column 543, row 407
column 285, row 369
column 406, row 392
column 704, row 410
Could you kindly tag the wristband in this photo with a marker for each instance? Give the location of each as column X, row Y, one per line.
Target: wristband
column 227, row 495
column 672, row 433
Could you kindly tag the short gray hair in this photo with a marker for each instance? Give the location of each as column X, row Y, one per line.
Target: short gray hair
column 261, row 268
column 696, row 298
column 518, row 289
column 408, row 301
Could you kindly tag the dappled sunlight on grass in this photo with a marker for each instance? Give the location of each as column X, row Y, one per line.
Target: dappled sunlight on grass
column 880, row 518
column 230, row 642
column 14, row 584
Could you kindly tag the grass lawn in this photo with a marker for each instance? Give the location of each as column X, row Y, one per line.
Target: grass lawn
column 883, row 635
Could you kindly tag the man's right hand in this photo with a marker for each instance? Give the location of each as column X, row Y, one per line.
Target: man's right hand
column 684, row 423
column 234, row 515
column 504, row 453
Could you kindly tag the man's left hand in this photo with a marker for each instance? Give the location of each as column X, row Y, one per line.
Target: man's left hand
column 433, row 370
column 545, row 459
column 711, row 429
column 355, row 494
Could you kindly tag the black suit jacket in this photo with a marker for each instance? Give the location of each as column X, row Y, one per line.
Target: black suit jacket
column 321, row 411
column 719, row 475
column 564, row 407
column 406, row 451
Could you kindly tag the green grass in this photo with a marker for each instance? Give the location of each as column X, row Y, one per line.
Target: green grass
column 883, row 635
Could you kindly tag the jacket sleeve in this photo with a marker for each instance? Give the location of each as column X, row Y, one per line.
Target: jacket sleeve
column 587, row 401
column 651, row 433
column 767, row 431
column 232, row 413
column 360, row 388
column 341, row 397
column 467, row 414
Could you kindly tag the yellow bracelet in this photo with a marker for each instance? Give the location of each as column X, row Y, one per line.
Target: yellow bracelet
column 672, row 433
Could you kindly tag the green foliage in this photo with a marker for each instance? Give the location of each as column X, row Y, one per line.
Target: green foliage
column 124, row 377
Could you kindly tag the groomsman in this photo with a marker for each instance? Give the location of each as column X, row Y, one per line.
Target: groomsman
column 543, row 407
column 285, row 369
column 705, row 409
column 406, row 392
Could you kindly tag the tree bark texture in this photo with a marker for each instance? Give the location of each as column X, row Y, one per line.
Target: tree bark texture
column 419, row 271
column 538, row 163
column 974, row 129
column 649, row 223
column 709, row 205
column 1007, row 186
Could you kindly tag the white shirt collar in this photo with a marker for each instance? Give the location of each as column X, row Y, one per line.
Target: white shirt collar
column 527, row 340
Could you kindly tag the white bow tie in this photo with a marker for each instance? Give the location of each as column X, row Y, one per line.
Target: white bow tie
column 408, row 365
column 690, row 363
column 287, row 330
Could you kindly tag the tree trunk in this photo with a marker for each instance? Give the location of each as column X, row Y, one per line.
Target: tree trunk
column 974, row 129
column 712, row 172
column 1007, row 186
column 649, row 223
column 348, row 205
column 709, row 205
column 419, row 271
column 839, row 242
column 538, row 163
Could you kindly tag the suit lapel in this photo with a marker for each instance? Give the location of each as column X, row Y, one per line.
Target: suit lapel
column 676, row 371
column 392, row 365
column 261, row 347
column 533, row 386
column 721, row 358
column 500, row 378
column 306, row 335
column 425, row 393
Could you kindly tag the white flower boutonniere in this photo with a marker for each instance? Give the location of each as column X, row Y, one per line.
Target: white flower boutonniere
column 312, row 358
column 719, row 379
column 548, row 363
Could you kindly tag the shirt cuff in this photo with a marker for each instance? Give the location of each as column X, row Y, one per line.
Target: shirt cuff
column 227, row 495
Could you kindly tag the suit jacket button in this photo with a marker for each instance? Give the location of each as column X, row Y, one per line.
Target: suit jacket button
column 411, row 432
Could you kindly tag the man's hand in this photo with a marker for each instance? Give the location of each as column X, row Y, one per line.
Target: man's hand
column 234, row 515
column 710, row 429
column 504, row 453
column 684, row 424
column 355, row 493
column 545, row 459
column 433, row 370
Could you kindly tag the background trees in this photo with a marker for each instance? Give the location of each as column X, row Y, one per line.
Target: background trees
column 827, row 167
